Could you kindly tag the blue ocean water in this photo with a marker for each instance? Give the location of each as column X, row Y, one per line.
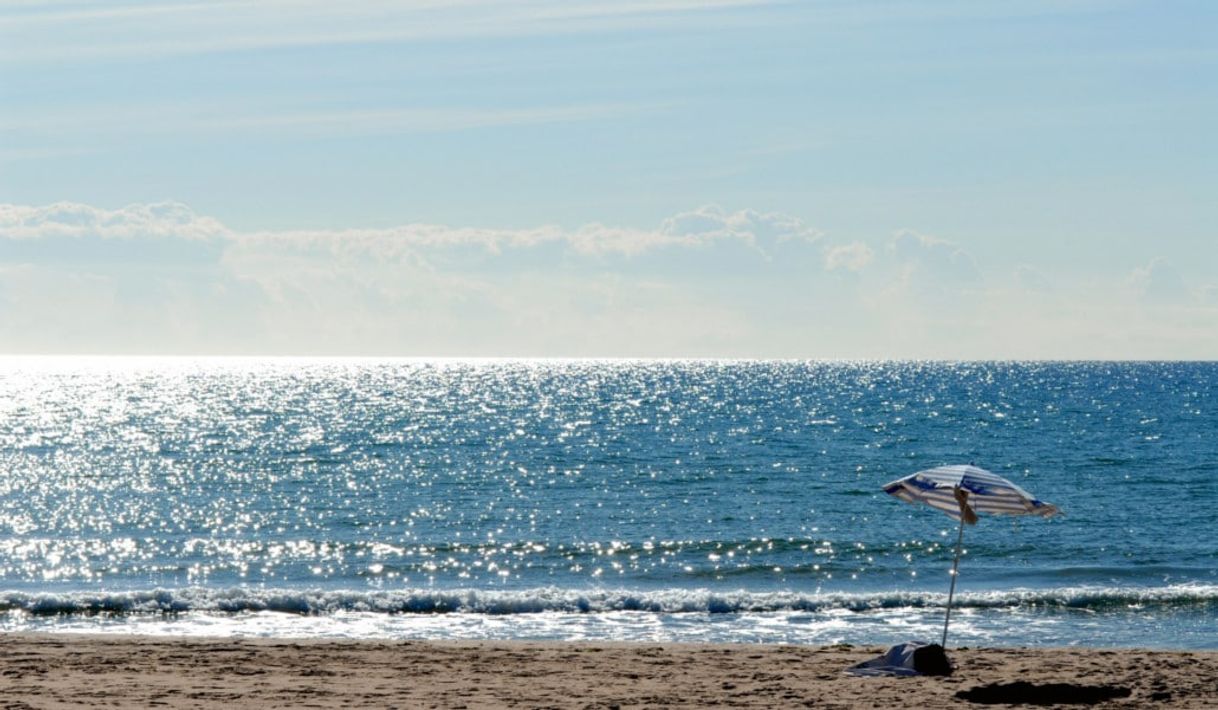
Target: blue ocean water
column 626, row 500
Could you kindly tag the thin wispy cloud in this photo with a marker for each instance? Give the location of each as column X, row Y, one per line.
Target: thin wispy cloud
column 97, row 130
column 161, row 29
column 427, row 120
column 70, row 32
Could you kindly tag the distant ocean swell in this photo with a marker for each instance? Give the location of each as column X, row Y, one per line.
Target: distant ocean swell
column 556, row 600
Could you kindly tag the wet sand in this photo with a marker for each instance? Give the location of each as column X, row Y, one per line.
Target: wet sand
column 58, row 671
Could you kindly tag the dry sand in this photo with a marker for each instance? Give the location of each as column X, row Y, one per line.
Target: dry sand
column 55, row 671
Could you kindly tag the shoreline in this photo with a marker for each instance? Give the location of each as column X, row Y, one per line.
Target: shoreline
column 70, row 670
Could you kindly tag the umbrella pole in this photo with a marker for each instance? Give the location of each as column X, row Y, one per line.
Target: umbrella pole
column 952, row 590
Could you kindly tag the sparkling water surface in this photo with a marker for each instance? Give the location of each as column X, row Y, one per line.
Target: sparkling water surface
column 648, row 500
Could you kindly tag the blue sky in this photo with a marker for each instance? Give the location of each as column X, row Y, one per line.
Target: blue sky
column 591, row 178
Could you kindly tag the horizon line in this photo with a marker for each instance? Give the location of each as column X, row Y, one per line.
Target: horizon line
column 6, row 357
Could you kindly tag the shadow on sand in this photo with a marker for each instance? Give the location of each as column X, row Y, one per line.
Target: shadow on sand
column 1043, row 694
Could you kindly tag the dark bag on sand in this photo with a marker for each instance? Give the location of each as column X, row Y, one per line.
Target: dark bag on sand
column 931, row 660
column 906, row 659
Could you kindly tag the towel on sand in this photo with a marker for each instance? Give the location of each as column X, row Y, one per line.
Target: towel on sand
column 911, row 658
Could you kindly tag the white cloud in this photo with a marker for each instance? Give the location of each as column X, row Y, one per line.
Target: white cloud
column 703, row 227
column 1159, row 283
column 708, row 282
column 162, row 220
column 848, row 257
column 711, row 221
column 161, row 278
column 600, row 239
column 933, row 261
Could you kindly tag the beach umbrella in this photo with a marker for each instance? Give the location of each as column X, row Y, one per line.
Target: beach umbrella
column 962, row 492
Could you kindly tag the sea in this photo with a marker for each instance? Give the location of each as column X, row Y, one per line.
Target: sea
column 731, row 501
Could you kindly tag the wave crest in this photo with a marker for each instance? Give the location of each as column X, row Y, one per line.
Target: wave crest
column 555, row 600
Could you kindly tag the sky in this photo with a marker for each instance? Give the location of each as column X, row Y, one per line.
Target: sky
column 939, row 179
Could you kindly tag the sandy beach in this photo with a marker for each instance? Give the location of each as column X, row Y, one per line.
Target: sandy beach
column 56, row 671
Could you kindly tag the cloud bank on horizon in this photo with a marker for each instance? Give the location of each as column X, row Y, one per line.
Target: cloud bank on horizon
column 708, row 282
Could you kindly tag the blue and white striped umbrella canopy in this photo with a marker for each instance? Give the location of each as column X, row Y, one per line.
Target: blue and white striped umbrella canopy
column 988, row 492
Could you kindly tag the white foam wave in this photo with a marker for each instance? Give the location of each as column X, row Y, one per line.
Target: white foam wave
column 589, row 601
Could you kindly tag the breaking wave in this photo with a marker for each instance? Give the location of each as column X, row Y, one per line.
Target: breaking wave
column 555, row 600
